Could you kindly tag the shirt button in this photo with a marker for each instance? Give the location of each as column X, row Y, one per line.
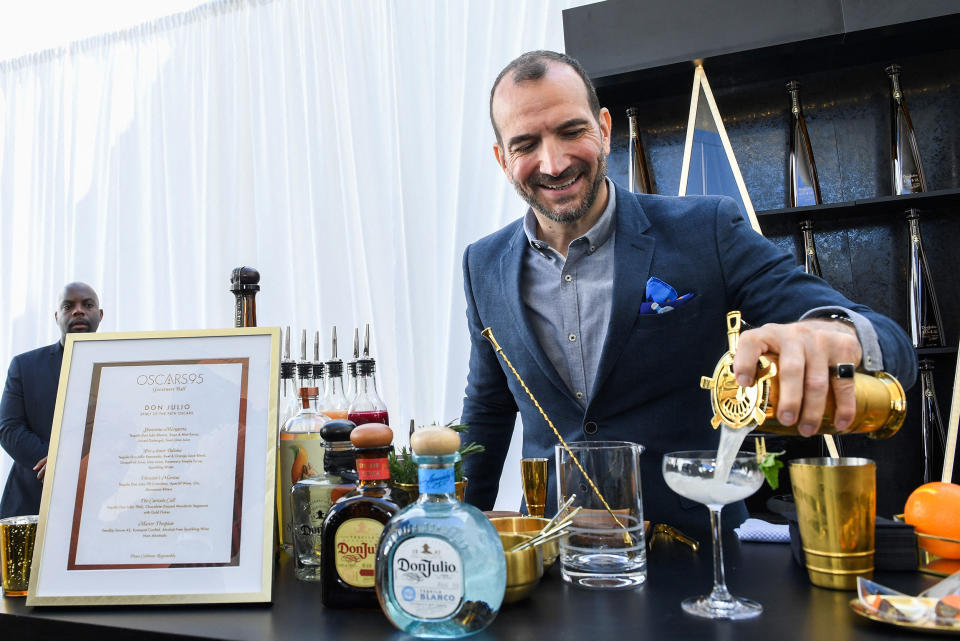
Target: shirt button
column 592, row 248
column 579, row 394
column 591, row 427
column 572, row 337
column 568, row 278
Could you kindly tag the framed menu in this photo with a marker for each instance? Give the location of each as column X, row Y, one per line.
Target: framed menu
column 161, row 470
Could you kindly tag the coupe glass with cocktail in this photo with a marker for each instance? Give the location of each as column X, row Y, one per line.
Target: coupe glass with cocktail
column 715, row 480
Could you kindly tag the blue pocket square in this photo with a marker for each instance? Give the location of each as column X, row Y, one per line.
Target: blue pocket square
column 661, row 297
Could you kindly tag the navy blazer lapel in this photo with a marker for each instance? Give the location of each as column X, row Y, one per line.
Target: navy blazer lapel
column 511, row 267
column 633, row 253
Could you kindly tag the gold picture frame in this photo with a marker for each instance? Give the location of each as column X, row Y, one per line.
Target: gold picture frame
column 161, row 471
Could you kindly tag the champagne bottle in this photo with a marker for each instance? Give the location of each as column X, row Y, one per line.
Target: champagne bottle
column 244, row 283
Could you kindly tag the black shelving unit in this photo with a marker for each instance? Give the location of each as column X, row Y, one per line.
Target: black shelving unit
column 643, row 56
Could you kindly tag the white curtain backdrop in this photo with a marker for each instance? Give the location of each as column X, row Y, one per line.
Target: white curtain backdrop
column 342, row 148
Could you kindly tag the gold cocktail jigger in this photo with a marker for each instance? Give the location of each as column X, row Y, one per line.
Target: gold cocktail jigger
column 836, row 501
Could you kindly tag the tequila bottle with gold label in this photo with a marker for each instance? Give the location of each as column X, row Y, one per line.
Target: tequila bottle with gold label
column 441, row 571
column 352, row 527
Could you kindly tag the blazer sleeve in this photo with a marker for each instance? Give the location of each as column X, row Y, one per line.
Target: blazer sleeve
column 764, row 283
column 16, row 436
column 489, row 408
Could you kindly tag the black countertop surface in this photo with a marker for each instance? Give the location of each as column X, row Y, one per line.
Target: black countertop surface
column 793, row 609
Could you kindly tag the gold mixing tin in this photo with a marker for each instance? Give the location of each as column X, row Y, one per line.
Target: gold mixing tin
column 881, row 401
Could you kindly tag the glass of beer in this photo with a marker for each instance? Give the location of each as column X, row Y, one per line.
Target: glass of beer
column 533, row 473
column 17, row 534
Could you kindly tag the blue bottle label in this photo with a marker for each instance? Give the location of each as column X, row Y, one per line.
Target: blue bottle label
column 427, row 577
column 436, row 481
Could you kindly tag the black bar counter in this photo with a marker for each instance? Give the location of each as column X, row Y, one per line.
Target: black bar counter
column 793, row 609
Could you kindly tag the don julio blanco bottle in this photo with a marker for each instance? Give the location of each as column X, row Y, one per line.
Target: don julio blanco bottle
column 441, row 572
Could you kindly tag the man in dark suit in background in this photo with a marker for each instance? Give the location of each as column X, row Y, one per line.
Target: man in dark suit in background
column 576, row 294
column 29, row 396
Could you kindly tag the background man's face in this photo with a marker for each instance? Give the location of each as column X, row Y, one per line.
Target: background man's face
column 554, row 150
column 78, row 310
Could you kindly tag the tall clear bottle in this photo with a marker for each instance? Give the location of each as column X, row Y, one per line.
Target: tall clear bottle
column 352, row 527
column 289, row 403
column 803, row 183
column 335, row 404
column 300, row 456
column 441, row 572
column 905, row 168
column 367, row 406
column 638, row 176
column 311, row 498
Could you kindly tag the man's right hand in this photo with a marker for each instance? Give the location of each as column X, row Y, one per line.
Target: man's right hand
column 40, row 468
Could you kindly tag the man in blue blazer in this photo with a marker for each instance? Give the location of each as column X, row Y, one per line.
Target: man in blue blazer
column 29, row 397
column 611, row 305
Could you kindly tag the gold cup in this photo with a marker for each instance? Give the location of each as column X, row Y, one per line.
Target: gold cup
column 17, row 534
column 524, row 568
column 836, row 502
column 529, row 525
column 533, row 473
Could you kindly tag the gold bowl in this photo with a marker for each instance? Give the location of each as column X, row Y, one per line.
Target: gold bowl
column 531, row 525
column 524, row 568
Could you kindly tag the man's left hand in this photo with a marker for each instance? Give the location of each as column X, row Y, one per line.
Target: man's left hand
column 41, row 468
column 805, row 350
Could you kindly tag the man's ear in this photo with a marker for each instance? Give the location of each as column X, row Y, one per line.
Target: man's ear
column 501, row 157
column 101, row 314
column 606, row 128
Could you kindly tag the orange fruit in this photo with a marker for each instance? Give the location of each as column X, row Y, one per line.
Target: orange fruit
column 934, row 508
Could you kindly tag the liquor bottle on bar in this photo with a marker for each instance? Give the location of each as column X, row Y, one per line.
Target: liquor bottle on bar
column 441, row 572
column 804, row 185
column 367, row 406
column 311, row 498
column 352, row 527
column 289, row 398
column 907, row 176
column 638, row 176
column 931, row 421
column 905, row 168
column 244, row 283
column 334, row 402
column 300, row 456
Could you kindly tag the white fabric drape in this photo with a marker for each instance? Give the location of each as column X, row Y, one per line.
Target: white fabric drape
column 341, row 147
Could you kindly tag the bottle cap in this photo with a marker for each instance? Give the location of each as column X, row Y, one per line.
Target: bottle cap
column 334, row 368
column 371, row 435
column 337, row 430
column 288, row 369
column 244, row 279
column 307, row 392
column 318, row 370
column 305, row 369
column 366, row 366
column 435, row 440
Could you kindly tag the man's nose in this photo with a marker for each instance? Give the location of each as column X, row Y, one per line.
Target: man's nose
column 77, row 310
column 553, row 157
